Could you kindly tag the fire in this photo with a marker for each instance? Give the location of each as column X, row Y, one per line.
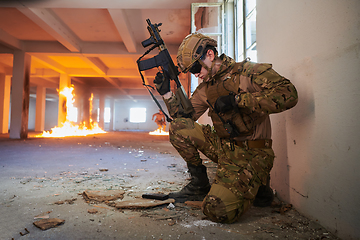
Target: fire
column 69, row 128
column 159, row 131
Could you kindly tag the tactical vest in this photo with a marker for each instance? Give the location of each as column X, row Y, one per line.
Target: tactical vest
column 243, row 118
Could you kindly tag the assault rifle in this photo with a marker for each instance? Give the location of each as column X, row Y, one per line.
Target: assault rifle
column 168, row 68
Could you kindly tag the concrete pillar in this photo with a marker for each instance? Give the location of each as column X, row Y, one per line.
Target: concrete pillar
column 85, row 107
column 5, row 84
column 112, row 114
column 40, row 108
column 20, row 95
column 65, row 81
column 102, row 111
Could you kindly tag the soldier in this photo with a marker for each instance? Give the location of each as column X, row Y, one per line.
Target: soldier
column 160, row 120
column 240, row 97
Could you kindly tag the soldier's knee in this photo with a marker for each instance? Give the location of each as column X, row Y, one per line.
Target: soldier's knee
column 221, row 205
column 181, row 123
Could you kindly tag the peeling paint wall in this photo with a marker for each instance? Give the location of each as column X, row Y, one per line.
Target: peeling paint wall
column 316, row 44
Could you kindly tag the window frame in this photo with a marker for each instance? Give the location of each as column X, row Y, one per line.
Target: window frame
column 221, row 35
column 241, row 20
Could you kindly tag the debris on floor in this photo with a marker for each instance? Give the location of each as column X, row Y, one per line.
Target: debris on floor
column 45, row 224
column 68, row 201
column 195, row 204
column 143, row 203
column 42, row 217
column 281, row 207
column 112, row 204
column 103, row 195
column 92, row 211
column 26, row 232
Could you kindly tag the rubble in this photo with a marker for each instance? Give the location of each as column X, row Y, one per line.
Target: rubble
column 123, row 214
column 92, row 211
column 45, row 224
column 103, row 195
column 142, row 203
column 195, row 204
column 26, row 232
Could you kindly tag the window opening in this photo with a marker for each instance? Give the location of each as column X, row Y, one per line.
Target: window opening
column 107, row 115
column 137, row 115
column 208, row 19
column 98, row 115
column 246, row 30
column 73, row 114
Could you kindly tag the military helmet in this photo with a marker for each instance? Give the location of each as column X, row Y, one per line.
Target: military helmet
column 191, row 49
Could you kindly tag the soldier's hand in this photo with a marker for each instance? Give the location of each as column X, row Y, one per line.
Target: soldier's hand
column 162, row 83
column 225, row 103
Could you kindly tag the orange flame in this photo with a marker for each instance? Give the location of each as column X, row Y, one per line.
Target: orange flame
column 159, row 131
column 69, row 128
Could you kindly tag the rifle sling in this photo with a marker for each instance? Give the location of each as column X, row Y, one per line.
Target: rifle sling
column 146, row 65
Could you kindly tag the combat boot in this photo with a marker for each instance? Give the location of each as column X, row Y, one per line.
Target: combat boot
column 198, row 187
column 264, row 196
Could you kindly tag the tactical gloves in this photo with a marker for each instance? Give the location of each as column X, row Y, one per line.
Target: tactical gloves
column 225, row 103
column 162, row 83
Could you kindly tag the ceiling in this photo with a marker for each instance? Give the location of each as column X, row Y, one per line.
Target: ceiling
column 94, row 42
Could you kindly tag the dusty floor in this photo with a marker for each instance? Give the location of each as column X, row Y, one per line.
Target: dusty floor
column 36, row 174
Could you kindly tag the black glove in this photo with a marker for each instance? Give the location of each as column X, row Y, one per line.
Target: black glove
column 162, row 83
column 225, row 103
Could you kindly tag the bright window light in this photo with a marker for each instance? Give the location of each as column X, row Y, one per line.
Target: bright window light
column 98, row 115
column 137, row 115
column 107, row 115
column 72, row 114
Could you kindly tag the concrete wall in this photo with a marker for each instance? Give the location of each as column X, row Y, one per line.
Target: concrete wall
column 316, row 44
column 51, row 114
column 122, row 114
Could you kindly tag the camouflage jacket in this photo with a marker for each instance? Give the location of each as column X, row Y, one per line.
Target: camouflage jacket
column 260, row 91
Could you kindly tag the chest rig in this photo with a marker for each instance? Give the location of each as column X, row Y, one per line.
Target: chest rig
column 242, row 118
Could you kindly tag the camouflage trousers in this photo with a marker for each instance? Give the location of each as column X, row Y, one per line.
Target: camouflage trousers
column 240, row 171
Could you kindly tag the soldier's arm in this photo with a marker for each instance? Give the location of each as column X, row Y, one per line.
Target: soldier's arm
column 198, row 101
column 277, row 94
column 172, row 104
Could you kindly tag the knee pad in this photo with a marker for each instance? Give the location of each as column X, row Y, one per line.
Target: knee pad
column 221, row 205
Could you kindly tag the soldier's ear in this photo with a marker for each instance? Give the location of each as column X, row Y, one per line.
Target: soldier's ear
column 210, row 54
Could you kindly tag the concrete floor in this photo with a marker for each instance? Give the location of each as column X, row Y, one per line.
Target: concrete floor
column 36, row 173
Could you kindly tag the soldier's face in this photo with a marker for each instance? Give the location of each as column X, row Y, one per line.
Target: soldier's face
column 204, row 72
column 209, row 57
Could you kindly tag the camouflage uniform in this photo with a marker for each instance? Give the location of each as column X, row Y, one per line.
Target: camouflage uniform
column 245, row 161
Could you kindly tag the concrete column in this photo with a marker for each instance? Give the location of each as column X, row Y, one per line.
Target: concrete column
column 40, row 108
column 102, row 111
column 65, row 81
column 5, row 84
column 112, row 114
column 20, row 95
column 85, row 107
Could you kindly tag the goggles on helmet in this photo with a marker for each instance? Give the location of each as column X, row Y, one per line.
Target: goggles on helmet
column 196, row 67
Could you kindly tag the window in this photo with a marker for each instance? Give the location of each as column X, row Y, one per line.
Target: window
column 98, row 115
column 137, row 115
column 208, row 18
column 107, row 115
column 246, row 29
column 72, row 114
